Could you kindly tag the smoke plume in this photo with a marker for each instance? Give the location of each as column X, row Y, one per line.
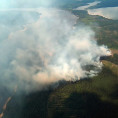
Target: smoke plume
column 39, row 47
column 108, row 12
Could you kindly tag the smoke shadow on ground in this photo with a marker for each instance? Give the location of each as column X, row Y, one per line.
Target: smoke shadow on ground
column 87, row 105
column 114, row 94
column 78, row 105
column 33, row 105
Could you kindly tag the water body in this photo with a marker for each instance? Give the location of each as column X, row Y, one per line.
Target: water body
column 88, row 5
column 109, row 12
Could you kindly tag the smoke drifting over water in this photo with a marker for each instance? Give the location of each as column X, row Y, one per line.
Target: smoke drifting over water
column 42, row 49
column 108, row 12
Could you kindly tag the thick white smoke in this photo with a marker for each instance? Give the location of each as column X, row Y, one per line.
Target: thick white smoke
column 47, row 50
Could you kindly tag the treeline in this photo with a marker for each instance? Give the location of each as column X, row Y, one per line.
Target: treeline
column 113, row 59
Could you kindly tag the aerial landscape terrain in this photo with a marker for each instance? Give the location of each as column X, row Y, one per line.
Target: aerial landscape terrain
column 59, row 59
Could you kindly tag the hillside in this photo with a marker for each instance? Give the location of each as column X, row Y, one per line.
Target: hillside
column 95, row 97
column 91, row 98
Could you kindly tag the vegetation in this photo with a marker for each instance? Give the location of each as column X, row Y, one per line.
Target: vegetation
column 91, row 98
column 32, row 105
column 113, row 59
column 95, row 97
column 106, row 29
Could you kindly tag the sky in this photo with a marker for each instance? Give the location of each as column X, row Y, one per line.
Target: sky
column 24, row 3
